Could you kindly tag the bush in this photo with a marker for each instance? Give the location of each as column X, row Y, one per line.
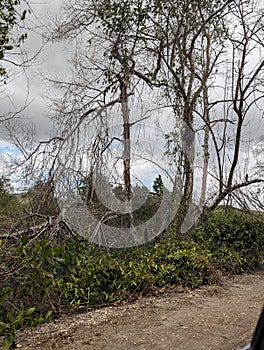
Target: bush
column 183, row 264
column 235, row 239
column 77, row 276
column 10, row 205
column 12, row 320
column 40, row 278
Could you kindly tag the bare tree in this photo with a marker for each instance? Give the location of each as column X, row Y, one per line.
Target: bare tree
column 176, row 55
column 243, row 98
column 178, row 68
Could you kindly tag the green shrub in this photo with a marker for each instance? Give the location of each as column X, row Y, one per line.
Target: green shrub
column 235, row 239
column 39, row 278
column 74, row 276
column 12, row 320
column 180, row 263
column 10, row 205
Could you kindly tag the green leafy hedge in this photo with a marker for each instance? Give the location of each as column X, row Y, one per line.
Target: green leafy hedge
column 39, row 279
column 13, row 319
column 235, row 239
column 42, row 278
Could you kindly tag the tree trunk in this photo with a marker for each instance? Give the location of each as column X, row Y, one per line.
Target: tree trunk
column 205, row 148
column 126, row 150
column 186, row 197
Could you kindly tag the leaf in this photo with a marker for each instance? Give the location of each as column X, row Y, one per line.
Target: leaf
column 2, row 327
column 18, row 318
column 8, row 342
column 30, row 311
column 23, row 16
column 8, row 47
column 5, row 295
column 48, row 315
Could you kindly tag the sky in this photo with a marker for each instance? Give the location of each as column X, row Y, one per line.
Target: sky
column 26, row 89
column 29, row 86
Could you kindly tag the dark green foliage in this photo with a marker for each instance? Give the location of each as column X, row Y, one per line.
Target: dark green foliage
column 10, row 205
column 13, row 319
column 149, row 207
column 236, row 240
column 122, row 17
column 181, row 263
column 74, row 277
column 158, row 185
column 38, row 278
column 5, row 192
column 62, row 278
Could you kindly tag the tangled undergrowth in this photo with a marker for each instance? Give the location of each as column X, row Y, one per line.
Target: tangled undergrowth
column 41, row 280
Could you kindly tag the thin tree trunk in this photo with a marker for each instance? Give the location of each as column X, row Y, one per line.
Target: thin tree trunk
column 205, row 148
column 127, row 149
column 186, row 197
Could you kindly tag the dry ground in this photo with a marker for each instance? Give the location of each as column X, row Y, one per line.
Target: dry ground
column 215, row 317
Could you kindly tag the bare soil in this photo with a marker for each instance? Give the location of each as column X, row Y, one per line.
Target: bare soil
column 213, row 317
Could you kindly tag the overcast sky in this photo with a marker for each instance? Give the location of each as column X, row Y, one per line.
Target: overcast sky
column 28, row 86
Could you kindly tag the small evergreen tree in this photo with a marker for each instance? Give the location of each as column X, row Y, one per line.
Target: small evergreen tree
column 158, row 185
column 5, row 192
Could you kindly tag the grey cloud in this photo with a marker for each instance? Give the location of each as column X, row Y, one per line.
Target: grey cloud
column 27, row 86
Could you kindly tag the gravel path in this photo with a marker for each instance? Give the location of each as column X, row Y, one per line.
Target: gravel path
column 215, row 317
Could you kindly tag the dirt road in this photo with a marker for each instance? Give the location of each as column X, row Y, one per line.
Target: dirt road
column 215, row 317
